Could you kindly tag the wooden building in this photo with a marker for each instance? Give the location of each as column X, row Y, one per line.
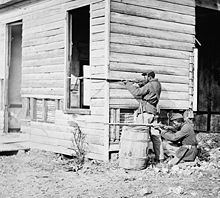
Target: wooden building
column 45, row 45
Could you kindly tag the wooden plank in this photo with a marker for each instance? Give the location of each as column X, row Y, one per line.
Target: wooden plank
column 93, row 148
column 165, row 95
column 112, row 129
column 150, row 42
column 135, row 10
column 43, row 34
column 97, row 28
column 183, row 2
column 44, row 27
column 45, row 110
column 162, row 77
column 12, row 147
column 56, row 45
column 32, row 108
column 13, row 138
column 99, row 36
column 42, row 69
column 117, row 119
column 95, row 156
column 97, row 45
column 106, row 71
column 42, row 91
column 51, row 134
column 152, row 23
column 34, row 55
column 98, row 13
column 50, row 141
column 42, row 96
column 96, row 61
column 163, row 5
column 42, row 12
column 97, row 21
column 51, row 148
column 165, row 87
column 27, row 83
column 97, row 102
column 164, row 104
column 195, row 80
column 98, row 5
column 43, row 19
column 100, row 118
column 44, row 76
column 46, row 61
column 151, row 60
column 97, row 110
column 148, row 51
column 44, row 40
column 96, row 70
column 97, row 53
column 151, row 33
column 26, row 107
column 140, row 68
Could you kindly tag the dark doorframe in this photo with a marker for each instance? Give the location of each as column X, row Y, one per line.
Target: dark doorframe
column 13, row 103
column 207, row 33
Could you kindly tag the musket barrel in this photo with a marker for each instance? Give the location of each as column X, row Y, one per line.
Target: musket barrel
column 98, row 78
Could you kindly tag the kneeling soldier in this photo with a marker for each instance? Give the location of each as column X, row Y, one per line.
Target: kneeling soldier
column 182, row 144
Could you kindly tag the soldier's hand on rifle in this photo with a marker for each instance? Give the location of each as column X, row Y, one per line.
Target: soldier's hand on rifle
column 124, row 82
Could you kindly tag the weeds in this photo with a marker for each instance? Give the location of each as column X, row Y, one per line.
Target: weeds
column 79, row 146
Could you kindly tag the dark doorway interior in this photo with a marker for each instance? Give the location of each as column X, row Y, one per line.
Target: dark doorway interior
column 207, row 33
column 79, row 31
column 14, row 78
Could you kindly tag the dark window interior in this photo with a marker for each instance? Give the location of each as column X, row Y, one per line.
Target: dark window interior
column 79, row 24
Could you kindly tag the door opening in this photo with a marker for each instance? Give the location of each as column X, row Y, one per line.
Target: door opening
column 78, row 89
column 14, row 102
column 207, row 32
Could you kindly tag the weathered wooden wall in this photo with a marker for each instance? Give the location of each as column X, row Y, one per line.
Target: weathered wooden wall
column 43, row 70
column 152, row 35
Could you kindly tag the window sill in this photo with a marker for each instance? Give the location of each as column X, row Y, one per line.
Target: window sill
column 78, row 111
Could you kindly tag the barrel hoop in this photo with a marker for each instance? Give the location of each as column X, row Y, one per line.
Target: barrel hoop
column 137, row 131
column 142, row 158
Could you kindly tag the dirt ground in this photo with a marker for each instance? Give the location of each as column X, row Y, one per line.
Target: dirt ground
column 44, row 174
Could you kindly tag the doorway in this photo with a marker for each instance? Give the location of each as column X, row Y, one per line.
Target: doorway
column 207, row 33
column 78, row 58
column 13, row 88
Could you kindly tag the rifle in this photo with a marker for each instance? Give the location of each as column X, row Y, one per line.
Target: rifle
column 140, row 82
column 157, row 125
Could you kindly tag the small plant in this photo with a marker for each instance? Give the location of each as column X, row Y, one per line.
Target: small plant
column 79, row 145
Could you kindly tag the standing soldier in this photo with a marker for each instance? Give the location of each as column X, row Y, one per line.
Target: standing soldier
column 149, row 93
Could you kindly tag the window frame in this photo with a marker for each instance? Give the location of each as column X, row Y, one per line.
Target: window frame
column 68, row 52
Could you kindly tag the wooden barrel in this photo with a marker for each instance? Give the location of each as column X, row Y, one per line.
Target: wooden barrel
column 133, row 147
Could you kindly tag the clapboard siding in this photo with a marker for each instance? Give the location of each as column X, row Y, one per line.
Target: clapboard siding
column 151, row 13
column 43, row 70
column 170, row 6
column 152, row 35
column 97, row 55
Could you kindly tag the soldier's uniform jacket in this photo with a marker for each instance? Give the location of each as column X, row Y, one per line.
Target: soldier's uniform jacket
column 149, row 94
column 187, row 139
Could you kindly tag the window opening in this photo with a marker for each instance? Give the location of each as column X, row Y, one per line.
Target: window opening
column 78, row 55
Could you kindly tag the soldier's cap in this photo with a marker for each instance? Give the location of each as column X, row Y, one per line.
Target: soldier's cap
column 148, row 73
column 188, row 114
column 176, row 116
